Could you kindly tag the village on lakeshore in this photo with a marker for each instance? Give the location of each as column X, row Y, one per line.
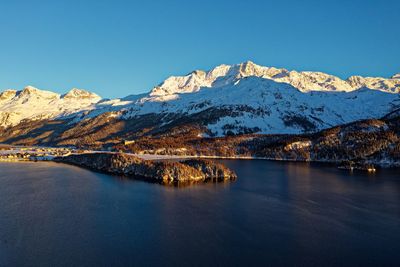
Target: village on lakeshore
column 34, row 153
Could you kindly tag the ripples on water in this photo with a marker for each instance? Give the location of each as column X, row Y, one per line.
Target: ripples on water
column 273, row 214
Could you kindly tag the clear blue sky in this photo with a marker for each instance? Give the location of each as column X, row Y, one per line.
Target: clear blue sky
column 117, row 48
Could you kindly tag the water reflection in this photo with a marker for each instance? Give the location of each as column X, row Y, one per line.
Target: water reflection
column 275, row 213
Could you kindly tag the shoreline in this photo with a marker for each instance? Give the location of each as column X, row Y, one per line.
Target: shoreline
column 165, row 172
column 155, row 158
column 38, row 153
column 337, row 163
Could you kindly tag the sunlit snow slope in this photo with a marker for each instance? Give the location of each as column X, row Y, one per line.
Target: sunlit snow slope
column 238, row 98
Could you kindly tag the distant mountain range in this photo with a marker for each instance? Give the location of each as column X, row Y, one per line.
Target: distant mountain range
column 228, row 100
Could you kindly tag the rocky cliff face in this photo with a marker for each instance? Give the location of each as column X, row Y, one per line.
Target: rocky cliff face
column 155, row 171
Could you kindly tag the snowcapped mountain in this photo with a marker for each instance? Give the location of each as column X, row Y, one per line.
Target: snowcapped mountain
column 229, row 99
column 305, row 81
column 34, row 104
column 250, row 98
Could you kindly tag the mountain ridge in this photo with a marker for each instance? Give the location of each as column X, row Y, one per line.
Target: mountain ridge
column 33, row 103
column 304, row 80
column 228, row 99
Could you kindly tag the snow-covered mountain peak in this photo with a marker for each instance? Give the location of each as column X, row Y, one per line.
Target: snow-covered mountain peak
column 30, row 91
column 218, row 71
column 179, row 84
column 304, row 81
column 30, row 88
column 376, row 83
column 249, row 68
column 7, row 94
column 35, row 104
column 76, row 93
column 249, row 103
column 218, row 76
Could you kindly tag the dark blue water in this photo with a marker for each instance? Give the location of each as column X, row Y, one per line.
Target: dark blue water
column 275, row 214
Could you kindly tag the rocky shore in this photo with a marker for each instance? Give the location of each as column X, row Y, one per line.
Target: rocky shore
column 165, row 172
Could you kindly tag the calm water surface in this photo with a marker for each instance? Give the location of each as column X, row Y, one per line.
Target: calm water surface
column 275, row 214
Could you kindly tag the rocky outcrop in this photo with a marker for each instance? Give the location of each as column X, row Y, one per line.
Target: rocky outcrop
column 164, row 172
column 211, row 170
